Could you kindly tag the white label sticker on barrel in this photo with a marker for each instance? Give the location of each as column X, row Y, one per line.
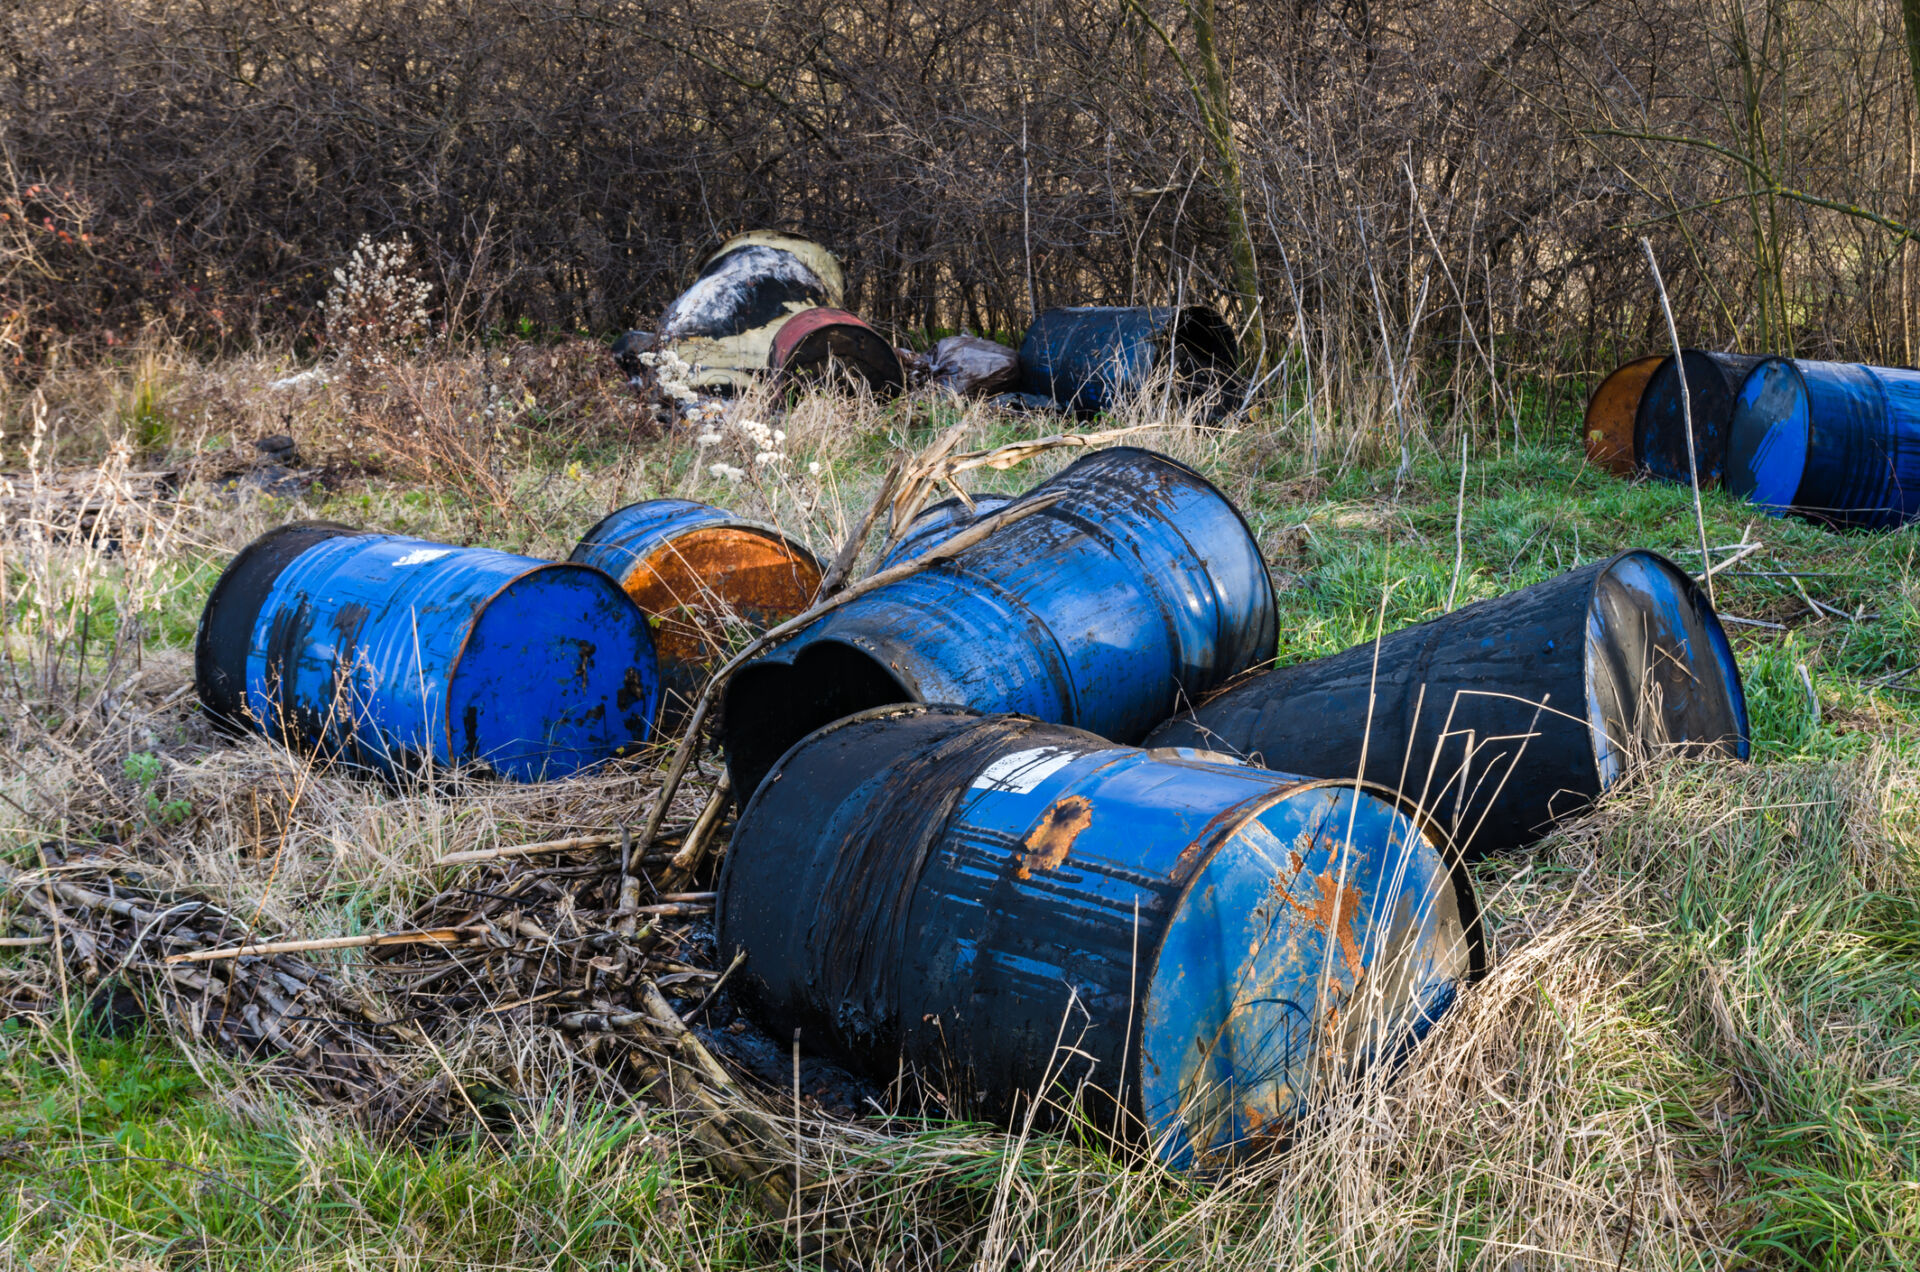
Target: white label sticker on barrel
column 420, row 556
column 1020, row 772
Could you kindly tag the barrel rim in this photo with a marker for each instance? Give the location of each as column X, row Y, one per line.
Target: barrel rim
column 229, row 707
column 725, row 519
column 1266, row 571
column 1691, row 589
column 455, row 663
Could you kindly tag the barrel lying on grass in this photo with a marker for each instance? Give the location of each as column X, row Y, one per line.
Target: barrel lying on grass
column 395, row 654
column 697, row 571
column 1014, row 909
column 1508, row 714
column 818, row 344
column 1095, row 357
column 1140, row 589
column 1835, row 442
column 1610, row 413
column 1660, row 429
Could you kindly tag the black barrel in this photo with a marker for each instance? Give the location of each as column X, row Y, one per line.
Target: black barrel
column 1012, row 908
column 1659, row 423
column 1094, row 357
column 1508, row 714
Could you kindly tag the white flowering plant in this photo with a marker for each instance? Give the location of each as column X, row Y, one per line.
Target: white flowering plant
column 376, row 310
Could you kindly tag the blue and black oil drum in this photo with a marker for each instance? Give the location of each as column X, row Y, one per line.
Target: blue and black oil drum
column 1093, row 358
column 397, row 654
column 1141, row 589
column 1509, row 714
column 1017, row 911
column 1835, row 442
column 1660, row 419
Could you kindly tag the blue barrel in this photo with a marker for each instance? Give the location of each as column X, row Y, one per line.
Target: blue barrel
column 1660, row 419
column 1508, row 715
column 939, row 522
column 707, row 579
column 1139, row 591
column 1835, row 442
column 1095, row 357
column 972, row 895
column 392, row 653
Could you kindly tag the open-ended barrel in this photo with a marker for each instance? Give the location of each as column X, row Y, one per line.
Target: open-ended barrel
column 1504, row 716
column 398, row 654
column 703, row 576
column 1610, row 413
column 1141, row 589
column 815, row 344
column 1659, row 426
column 1095, row 357
column 1014, row 909
column 1835, row 442
column 938, row 522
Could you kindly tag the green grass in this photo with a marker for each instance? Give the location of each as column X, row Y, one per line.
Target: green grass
column 1700, row 1047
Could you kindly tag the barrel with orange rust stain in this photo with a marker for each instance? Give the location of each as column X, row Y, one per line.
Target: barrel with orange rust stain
column 1611, row 412
column 706, row 579
column 815, row 343
column 1019, row 910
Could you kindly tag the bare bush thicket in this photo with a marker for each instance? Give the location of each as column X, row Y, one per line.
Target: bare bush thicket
column 1430, row 186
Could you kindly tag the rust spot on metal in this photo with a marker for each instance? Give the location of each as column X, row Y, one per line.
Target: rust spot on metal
column 697, row 582
column 1610, row 415
column 1337, row 913
column 1049, row 843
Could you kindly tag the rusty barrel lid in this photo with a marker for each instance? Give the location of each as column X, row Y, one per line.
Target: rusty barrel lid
column 1610, row 415
column 1214, row 944
column 705, row 578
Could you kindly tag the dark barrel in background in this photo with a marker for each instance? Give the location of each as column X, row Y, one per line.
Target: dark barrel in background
column 1506, row 715
column 703, row 576
column 393, row 653
column 1835, row 442
column 1610, row 414
column 938, row 522
column 1139, row 591
column 969, row 894
column 1095, row 357
column 815, row 343
column 1660, row 430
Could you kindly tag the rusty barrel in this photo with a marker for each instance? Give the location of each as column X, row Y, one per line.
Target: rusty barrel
column 938, row 522
column 1610, row 413
column 1835, row 442
column 724, row 323
column 1014, row 908
column 1139, row 590
column 1659, row 423
column 398, row 654
column 1504, row 716
column 1092, row 358
column 705, row 578
column 815, row 344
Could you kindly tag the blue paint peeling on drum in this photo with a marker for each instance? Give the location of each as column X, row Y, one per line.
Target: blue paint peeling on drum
column 969, row 894
column 1834, row 442
column 1142, row 588
column 387, row 651
column 939, row 522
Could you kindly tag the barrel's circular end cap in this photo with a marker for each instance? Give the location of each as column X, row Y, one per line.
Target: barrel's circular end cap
column 224, row 637
column 1661, row 675
column 1326, row 933
column 1610, row 415
column 557, row 673
column 1767, row 454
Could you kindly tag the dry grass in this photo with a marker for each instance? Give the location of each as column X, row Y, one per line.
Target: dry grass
column 1699, row 1045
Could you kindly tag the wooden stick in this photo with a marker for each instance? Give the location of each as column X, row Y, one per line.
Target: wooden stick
column 17, row 942
column 437, row 936
column 607, row 840
column 694, row 851
column 1746, row 550
column 842, row 567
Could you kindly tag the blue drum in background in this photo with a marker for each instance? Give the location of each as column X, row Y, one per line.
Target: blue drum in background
column 1020, row 911
column 397, row 654
column 1094, row 357
column 1138, row 592
column 1834, row 442
column 939, row 522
